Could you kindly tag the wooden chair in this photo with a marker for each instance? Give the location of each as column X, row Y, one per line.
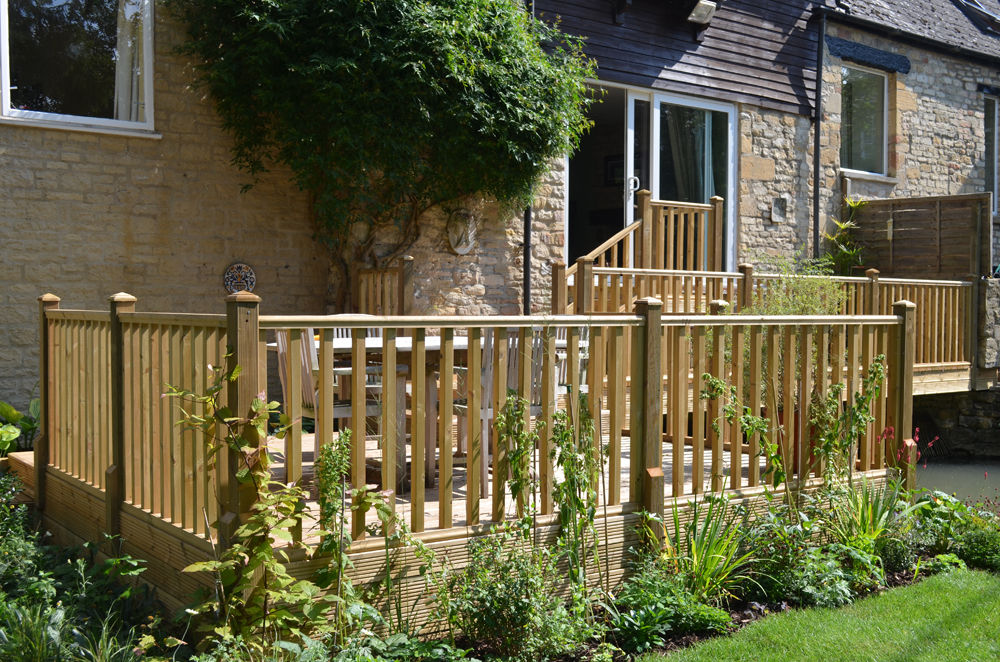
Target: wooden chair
column 309, row 359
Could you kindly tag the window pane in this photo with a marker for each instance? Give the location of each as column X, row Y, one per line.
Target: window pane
column 862, row 128
column 682, row 153
column 77, row 57
column 991, row 148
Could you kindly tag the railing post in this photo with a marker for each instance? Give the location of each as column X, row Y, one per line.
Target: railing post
column 114, row 493
column 746, row 287
column 646, row 424
column 584, row 301
column 872, row 307
column 718, row 306
column 644, row 199
column 901, row 374
column 242, row 334
column 715, row 236
column 558, row 287
column 46, row 302
column 406, row 285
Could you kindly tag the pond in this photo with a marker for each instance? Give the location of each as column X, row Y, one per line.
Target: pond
column 969, row 479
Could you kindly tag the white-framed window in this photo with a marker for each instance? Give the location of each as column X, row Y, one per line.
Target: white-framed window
column 80, row 63
column 864, row 121
column 991, row 155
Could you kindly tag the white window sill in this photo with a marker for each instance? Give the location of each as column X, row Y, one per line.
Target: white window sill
column 79, row 127
column 863, row 176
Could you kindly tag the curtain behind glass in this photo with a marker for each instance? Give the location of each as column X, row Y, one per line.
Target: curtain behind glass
column 682, row 153
column 128, row 64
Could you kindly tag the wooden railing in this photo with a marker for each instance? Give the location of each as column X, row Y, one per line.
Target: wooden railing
column 79, row 386
column 943, row 237
column 441, row 382
column 668, row 235
column 386, row 291
column 944, row 319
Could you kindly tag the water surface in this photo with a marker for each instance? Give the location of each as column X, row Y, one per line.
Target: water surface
column 969, row 480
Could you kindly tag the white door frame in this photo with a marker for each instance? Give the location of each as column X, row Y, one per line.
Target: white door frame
column 655, row 98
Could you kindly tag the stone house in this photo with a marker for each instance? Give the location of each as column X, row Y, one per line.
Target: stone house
column 906, row 108
column 116, row 175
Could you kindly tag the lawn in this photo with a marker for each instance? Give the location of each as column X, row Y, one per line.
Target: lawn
column 948, row 617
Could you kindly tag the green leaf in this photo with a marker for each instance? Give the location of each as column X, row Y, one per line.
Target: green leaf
column 9, row 414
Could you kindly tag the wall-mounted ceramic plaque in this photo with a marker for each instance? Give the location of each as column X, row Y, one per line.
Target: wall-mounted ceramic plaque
column 461, row 230
column 238, row 277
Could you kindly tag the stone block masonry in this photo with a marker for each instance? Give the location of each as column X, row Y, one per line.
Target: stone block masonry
column 84, row 215
column 775, row 204
column 936, row 132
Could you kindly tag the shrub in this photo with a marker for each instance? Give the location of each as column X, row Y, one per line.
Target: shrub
column 979, row 546
column 506, row 600
column 819, row 580
column 653, row 604
column 398, row 647
column 708, row 553
column 896, row 554
column 942, row 563
column 34, row 633
column 938, row 521
column 802, row 287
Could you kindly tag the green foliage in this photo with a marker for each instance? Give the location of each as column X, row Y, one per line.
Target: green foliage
column 781, row 539
column 17, row 429
column 506, row 601
column 896, row 554
column 818, row 580
column 801, row 287
column 399, row 646
column 654, row 604
column 838, row 427
column 255, row 596
column 517, row 443
column 843, row 249
column 575, row 493
column 383, row 110
column 34, row 633
column 979, row 544
column 707, row 552
column 734, row 411
column 942, row 563
column 939, row 520
column 863, row 514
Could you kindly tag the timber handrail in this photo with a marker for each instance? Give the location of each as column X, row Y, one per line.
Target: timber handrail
column 944, row 320
column 668, row 235
column 441, row 383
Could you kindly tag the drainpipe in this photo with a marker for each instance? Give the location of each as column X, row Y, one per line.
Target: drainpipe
column 526, row 259
column 817, row 121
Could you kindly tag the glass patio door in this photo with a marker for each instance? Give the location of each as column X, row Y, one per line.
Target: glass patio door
column 680, row 149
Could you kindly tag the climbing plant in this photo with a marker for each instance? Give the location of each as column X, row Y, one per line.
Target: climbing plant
column 384, row 109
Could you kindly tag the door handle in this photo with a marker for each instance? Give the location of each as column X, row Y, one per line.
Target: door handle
column 631, row 186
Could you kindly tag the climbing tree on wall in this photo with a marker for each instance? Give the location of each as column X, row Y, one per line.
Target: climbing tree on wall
column 384, row 109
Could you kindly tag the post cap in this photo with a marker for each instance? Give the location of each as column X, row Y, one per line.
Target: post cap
column 904, row 304
column 48, row 297
column 122, row 297
column 745, row 266
column 242, row 297
column 872, row 273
